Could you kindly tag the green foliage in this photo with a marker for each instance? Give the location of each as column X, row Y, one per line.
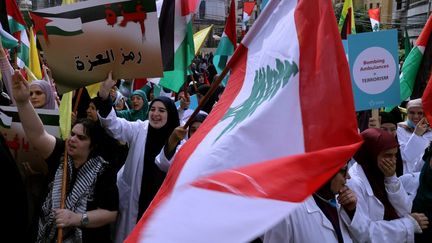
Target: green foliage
column 267, row 82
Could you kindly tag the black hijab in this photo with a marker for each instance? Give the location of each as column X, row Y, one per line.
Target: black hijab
column 153, row 177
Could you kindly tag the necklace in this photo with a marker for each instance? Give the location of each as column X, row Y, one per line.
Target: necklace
column 331, row 202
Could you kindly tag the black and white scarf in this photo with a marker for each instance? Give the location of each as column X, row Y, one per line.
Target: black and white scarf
column 76, row 199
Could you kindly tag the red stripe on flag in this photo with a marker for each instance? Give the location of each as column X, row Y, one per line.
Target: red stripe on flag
column 325, row 84
column 374, row 13
column 230, row 26
column 302, row 179
column 425, row 34
column 427, row 101
column 188, row 6
column 248, row 7
column 238, row 63
column 13, row 11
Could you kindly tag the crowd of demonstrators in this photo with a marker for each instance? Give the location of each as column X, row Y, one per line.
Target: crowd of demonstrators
column 381, row 198
column 124, row 141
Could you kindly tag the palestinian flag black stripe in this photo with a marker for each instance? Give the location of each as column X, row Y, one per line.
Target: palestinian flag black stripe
column 48, row 120
column 166, row 31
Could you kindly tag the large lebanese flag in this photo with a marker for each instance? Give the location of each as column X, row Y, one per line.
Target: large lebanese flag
column 284, row 125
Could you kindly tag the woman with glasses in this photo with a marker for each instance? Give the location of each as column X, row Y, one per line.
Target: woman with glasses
column 318, row 218
column 414, row 136
column 382, row 201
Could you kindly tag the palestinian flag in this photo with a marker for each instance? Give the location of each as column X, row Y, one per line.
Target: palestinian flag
column 228, row 41
column 56, row 26
column 248, row 8
column 17, row 28
column 175, row 26
column 374, row 15
column 8, row 41
column 346, row 21
column 416, row 69
column 5, row 120
column 221, row 190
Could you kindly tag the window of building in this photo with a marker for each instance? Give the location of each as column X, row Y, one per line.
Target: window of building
column 378, row 5
column 399, row 4
column 370, row 5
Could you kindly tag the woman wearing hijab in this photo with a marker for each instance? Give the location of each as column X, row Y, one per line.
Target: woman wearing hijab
column 41, row 95
column 139, row 107
column 140, row 178
column 414, row 136
column 388, row 122
column 317, row 218
column 381, row 198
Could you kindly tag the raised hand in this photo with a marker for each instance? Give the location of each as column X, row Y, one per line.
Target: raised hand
column 20, row 88
column 106, row 86
column 421, row 127
column 184, row 101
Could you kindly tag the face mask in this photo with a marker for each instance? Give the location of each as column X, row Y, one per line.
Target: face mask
column 411, row 124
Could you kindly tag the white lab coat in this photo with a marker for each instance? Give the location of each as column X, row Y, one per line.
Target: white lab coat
column 163, row 162
column 412, row 148
column 130, row 175
column 410, row 182
column 306, row 224
column 371, row 226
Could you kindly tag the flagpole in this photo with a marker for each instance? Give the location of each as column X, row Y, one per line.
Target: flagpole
column 206, row 97
column 64, row 177
column 63, row 192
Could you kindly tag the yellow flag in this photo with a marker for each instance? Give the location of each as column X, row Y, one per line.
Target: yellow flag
column 68, row 2
column 30, row 75
column 199, row 38
column 65, row 112
column 93, row 89
column 34, row 57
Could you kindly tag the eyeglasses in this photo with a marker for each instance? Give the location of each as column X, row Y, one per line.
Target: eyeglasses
column 344, row 171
